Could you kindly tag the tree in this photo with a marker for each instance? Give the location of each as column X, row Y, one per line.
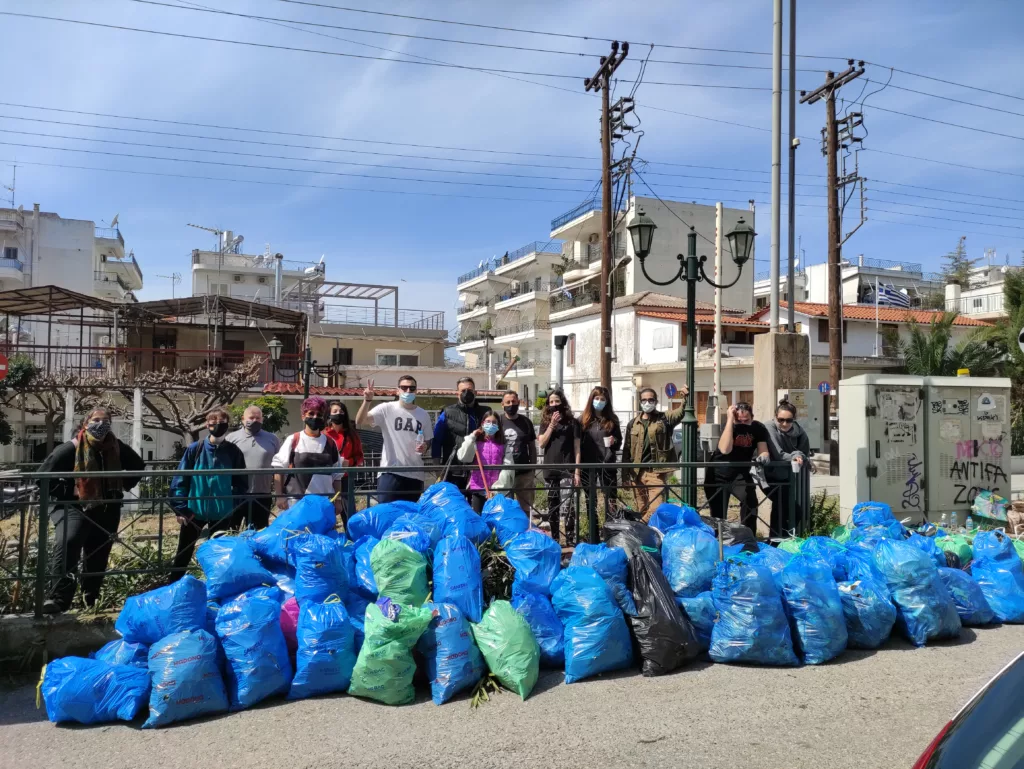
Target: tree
column 274, row 408
column 957, row 268
column 1006, row 337
column 929, row 351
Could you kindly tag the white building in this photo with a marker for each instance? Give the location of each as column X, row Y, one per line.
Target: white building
column 509, row 305
column 860, row 275
column 983, row 298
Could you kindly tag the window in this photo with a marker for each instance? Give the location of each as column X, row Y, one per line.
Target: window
column 976, row 303
column 823, row 330
column 760, row 302
column 570, row 351
column 707, row 336
column 844, row 332
column 10, row 252
column 662, row 338
column 341, row 356
column 397, row 358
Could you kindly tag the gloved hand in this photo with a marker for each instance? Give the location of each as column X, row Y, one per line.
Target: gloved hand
column 762, row 459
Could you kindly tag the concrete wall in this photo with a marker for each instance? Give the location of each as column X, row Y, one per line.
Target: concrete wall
column 860, row 335
column 667, row 332
column 364, row 351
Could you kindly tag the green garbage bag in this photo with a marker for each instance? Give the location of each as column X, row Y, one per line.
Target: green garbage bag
column 842, row 533
column 385, row 667
column 1018, row 545
column 791, row 545
column 400, row 572
column 958, row 544
column 509, row 648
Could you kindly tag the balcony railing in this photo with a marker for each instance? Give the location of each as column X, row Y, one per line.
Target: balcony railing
column 110, row 233
column 352, row 315
column 467, row 307
column 583, row 208
column 127, row 260
column 521, row 328
column 581, row 297
column 914, row 268
column 592, row 253
column 976, row 305
column 241, row 261
column 11, row 264
column 767, row 274
column 536, row 247
column 527, row 287
column 109, row 277
column 483, row 269
column 466, row 336
column 522, row 365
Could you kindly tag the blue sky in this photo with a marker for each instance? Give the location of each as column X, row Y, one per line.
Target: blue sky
column 427, row 241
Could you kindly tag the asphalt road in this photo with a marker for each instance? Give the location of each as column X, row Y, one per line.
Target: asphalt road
column 867, row 709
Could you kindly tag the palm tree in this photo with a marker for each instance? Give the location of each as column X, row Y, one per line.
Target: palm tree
column 930, row 351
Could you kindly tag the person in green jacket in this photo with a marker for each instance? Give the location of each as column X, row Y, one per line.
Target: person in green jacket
column 648, row 440
column 207, row 502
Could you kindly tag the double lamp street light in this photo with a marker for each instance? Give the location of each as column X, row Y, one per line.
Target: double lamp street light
column 691, row 269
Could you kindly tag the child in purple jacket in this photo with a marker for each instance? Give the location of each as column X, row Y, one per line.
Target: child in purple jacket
column 487, row 441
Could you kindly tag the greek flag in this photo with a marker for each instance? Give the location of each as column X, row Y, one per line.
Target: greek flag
column 888, row 295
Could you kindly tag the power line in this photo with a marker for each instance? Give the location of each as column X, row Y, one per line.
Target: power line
column 936, row 189
column 944, row 218
column 873, row 199
column 947, row 123
column 958, row 230
column 948, row 82
column 946, row 98
column 942, row 162
column 944, row 200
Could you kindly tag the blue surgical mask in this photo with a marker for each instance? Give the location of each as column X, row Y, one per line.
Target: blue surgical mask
column 599, row 404
column 407, row 398
column 490, row 428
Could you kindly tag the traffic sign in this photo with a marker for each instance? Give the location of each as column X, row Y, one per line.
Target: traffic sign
column 824, row 388
column 670, row 390
column 3, row 366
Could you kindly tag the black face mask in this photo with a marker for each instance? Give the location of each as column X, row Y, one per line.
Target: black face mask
column 314, row 423
column 467, row 397
column 554, row 409
column 338, row 419
column 512, row 410
column 218, row 429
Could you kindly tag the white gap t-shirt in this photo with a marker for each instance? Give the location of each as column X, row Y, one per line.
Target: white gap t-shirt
column 400, row 428
column 318, row 484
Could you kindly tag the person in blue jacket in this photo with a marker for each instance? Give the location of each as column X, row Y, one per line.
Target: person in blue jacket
column 207, row 502
column 454, row 423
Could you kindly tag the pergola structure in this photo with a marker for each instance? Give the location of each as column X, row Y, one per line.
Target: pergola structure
column 312, row 294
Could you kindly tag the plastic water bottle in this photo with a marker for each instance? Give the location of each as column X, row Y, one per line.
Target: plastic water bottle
column 944, row 521
column 419, row 438
column 953, row 521
column 969, row 523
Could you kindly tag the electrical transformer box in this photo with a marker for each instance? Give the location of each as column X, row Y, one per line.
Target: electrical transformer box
column 810, row 413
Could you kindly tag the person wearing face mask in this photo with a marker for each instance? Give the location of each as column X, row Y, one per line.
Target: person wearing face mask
column 207, row 502
column 648, row 441
column 87, row 511
column 487, row 442
column 309, row 449
column 560, row 440
column 258, row 447
column 521, row 438
column 454, row 423
column 787, row 442
column 744, row 440
column 350, row 448
column 600, row 441
column 407, row 433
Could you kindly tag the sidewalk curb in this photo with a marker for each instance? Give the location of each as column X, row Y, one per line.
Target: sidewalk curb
column 26, row 643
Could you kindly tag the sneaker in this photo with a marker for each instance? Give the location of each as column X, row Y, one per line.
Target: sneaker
column 52, row 607
column 544, row 526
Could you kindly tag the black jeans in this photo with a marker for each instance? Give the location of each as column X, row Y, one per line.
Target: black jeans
column 87, row 536
column 393, row 488
column 719, row 487
column 561, row 500
column 477, row 500
column 189, row 535
column 606, row 482
column 254, row 511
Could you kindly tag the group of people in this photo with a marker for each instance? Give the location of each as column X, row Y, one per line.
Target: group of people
column 481, row 450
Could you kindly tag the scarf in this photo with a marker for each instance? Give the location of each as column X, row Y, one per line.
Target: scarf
column 92, row 455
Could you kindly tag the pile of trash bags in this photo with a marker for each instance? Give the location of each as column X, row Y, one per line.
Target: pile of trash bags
column 300, row 609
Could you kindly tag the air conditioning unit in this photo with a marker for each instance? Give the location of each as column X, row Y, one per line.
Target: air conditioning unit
column 237, row 278
column 261, row 281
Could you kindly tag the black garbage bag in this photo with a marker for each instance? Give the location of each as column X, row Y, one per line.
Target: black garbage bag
column 633, row 537
column 737, row 535
column 953, row 560
column 664, row 636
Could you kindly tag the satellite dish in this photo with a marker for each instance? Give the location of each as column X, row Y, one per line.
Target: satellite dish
column 113, row 222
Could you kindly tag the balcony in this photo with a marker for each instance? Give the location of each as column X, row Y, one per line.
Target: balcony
column 11, row 220
column 352, row 315
column 111, row 284
column 987, row 304
column 527, row 331
column 471, row 310
column 589, row 263
column 126, row 267
column 110, row 233
column 11, row 271
column 527, row 291
column 525, row 255
column 912, row 268
column 260, row 265
column 581, row 296
column 524, row 367
column 468, row 340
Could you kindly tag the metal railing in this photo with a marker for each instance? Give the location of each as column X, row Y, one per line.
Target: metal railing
column 913, row 268
column 110, row 233
column 521, row 328
column 354, row 315
column 227, row 261
column 463, row 337
column 522, row 364
column 11, row 264
column 126, row 260
column 593, row 251
column 468, row 307
column 581, row 297
column 583, row 208
column 483, row 269
column 975, row 305
column 767, row 274
column 109, row 277
column 538, row 285
column 536, row 247
column 144, row 545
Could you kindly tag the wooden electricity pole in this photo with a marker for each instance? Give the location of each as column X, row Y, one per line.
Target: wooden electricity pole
column 602, row 80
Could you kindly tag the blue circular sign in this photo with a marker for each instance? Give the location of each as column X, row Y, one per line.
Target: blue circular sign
column 824, row 388
column 670, row 390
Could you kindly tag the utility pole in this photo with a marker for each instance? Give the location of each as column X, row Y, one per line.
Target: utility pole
column 602, row 80
column 827, row 91
column 793, row 144
column 773, row 263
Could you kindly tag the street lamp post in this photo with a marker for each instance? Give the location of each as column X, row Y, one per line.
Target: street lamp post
column 275, row 346
column 691, row 269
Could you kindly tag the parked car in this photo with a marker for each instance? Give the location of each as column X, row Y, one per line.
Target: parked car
column 988, row 732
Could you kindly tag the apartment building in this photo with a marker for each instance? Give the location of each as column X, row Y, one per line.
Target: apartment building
column 982, row 297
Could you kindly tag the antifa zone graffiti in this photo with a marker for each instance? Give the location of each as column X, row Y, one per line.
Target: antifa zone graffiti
column 974, row 476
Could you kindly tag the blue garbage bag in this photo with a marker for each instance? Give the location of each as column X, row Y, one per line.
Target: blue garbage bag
column 231, row 567
column 312, row 513
column 536, row 557
column 924, row 609
column 868, row 611
column 971, row 604
column 374, row 521
column 121, row 652
column 186, row 678
column 440, row 500
column 927, row 546
column 249, row 628
column 831, row 552
column 320, row 568
column 453, row 661
column 411, row 533
column 540, row 615
column 365, row 583
column 88, row 691
column 773, row 558
column 871, row 513
column 613, row 565
column 326, row 649
column 285, row 578
column 433, row 529
column 700, row 610
column 815, row 609
column 505, row 517
column 597, row 638
column 688, row 557
column 148, row 617
column 466, row 523
column 998, row 571
column 457, row 578
column 664, row 517
column 355, row 605
column 751, row 624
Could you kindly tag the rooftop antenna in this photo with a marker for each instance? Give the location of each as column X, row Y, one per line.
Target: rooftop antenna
column 14, row 182
column 175, row 279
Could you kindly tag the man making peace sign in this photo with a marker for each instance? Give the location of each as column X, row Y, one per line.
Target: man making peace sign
column 407, row 432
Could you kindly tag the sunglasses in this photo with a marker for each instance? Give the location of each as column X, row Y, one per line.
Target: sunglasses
column 407, row 388
column 648, row 400
column 782, row 421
